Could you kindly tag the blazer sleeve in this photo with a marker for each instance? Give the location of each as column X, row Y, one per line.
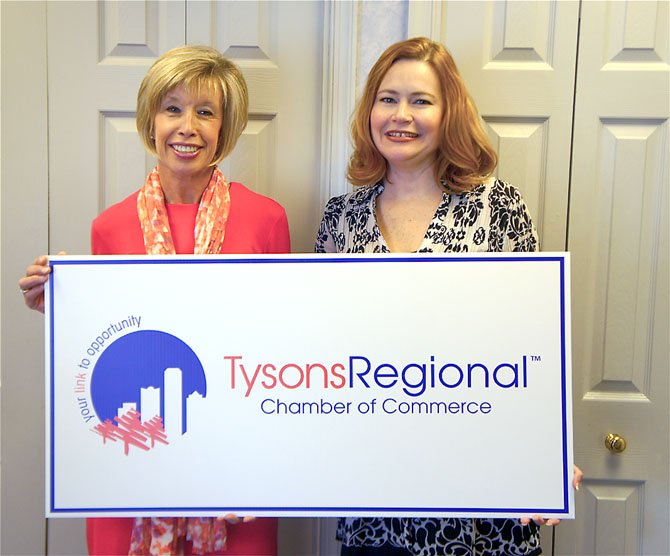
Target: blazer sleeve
column 279, row 239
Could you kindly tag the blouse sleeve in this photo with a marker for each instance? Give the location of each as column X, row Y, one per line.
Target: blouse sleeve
column 521, row 234
column 325, row 237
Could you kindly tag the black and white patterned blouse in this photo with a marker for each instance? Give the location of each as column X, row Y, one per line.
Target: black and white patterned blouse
column 492, row 217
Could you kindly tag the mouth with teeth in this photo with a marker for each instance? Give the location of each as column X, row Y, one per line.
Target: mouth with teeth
column 402, row 134
column 185, row 149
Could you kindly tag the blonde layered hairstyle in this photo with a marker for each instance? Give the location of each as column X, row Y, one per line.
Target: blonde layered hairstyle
column 465, row 157
column 195, row 68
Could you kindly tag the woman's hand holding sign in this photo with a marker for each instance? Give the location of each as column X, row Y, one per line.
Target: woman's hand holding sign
column 32, row 284
column 577, row 477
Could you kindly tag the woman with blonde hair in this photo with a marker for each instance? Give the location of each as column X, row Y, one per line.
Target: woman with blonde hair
column 191, row 108
column 424, row 165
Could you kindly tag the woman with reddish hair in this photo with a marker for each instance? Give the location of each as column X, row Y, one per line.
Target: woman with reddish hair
column 424, row 167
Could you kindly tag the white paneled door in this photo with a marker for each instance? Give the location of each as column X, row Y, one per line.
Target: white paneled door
column 591, row 159
column 98, row 53
column 618, row 237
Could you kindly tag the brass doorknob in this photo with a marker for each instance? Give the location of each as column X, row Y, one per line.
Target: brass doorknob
column 615, row 443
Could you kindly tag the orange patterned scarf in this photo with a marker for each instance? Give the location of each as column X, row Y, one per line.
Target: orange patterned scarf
column 167, row 535
column 210, row 222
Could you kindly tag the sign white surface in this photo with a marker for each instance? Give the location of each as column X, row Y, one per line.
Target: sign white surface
column 309, row 385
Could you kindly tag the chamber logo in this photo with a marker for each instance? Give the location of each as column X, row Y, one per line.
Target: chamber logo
column 144, row 387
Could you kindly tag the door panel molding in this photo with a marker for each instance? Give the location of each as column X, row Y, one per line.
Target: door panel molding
column 617, row 509
column 129, row 31
column 520, row 35
column 339, row 95
column 124, row 163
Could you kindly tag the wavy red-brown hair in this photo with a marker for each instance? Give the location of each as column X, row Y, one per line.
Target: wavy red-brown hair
column 465, row 157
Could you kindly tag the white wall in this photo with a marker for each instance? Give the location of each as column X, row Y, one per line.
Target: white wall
column 0, row 279
column 380, row 25
column 23, row 234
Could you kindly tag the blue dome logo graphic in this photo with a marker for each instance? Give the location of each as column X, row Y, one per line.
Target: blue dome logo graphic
column 150, row 371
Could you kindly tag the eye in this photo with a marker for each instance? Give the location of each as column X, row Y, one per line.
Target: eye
column 386, row 100
column 206, row 112
column 422, row 101
column 172, row 108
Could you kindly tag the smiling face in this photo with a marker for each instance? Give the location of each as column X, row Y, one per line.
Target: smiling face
column 186, row 133
column 406, row 116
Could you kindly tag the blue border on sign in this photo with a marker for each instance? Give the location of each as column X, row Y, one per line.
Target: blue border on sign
column 567, row 472
column 52, row 404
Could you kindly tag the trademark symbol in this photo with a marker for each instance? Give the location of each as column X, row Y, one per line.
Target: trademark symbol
column 536, row 358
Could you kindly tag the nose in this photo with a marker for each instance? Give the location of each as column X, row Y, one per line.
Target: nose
column 187, row 123
column 402, row 112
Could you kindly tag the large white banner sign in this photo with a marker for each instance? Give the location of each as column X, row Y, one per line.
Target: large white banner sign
column 306, row 385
